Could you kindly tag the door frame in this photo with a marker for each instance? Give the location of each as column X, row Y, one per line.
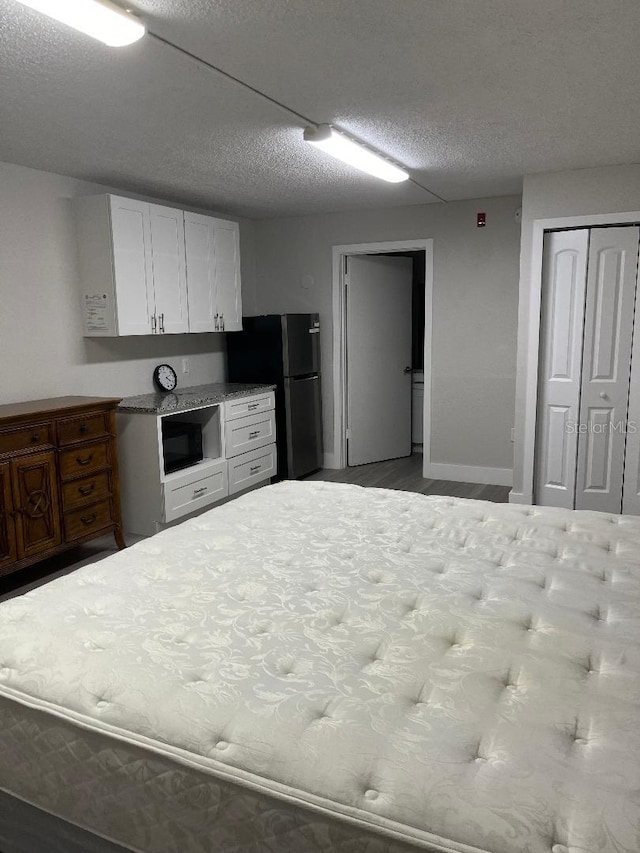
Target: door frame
column 339, row 459
column 539, row 226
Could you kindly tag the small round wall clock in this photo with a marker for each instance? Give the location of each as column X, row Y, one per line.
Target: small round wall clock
column 165, row 377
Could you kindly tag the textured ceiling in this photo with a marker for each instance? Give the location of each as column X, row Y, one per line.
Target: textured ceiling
column 469, row 94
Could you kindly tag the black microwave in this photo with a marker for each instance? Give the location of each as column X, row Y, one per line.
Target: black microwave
column 181, row 444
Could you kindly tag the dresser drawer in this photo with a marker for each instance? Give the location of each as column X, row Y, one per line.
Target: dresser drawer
column 251, row 468
column 88, row 490
column 84, row 459
column 244, row 406
column 87, row 520
column 244, row 434
column 71, row 430
column 195, row 490
column 26, row 438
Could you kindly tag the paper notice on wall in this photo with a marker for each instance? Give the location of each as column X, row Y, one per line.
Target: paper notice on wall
column 96, row 315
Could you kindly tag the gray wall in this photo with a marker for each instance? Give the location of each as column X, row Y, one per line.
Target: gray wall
column 609, row 189
column 42, row 351
column 474, row 309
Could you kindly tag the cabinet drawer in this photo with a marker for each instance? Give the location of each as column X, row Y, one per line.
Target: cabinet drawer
column 86, row 520
column 249, row 405
column 88, row 490
column 84, row 459
column 71, row 430
column 252, row 468
column 26, row 438
column 245, row 434
column 195, row 491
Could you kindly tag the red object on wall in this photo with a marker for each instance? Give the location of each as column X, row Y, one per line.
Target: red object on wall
column 481, row 220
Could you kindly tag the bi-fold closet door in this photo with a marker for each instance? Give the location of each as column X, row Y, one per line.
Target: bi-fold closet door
column 587, row 443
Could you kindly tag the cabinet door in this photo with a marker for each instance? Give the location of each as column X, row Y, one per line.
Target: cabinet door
column 35, row 499
column 8, row 552
column 132, row 265
column 227, row 257
column 169, row 269
column 199, row 245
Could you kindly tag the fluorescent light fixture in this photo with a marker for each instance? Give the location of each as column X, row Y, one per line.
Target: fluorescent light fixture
column 327, row 139
column 100, row 19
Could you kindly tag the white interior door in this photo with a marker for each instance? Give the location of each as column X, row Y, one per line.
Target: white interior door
column 169, row 269
column 564, row 279
column 378, row 325
column 606, row 366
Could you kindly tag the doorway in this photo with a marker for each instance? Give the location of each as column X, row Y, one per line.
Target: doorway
column 415, row 257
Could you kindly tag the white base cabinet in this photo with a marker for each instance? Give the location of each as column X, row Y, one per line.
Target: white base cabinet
column 238, row 439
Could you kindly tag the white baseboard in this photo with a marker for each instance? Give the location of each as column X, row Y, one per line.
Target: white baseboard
column 520, row 498
column 330, row 461
column 469, row 474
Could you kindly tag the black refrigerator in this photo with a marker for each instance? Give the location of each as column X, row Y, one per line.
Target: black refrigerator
column 284, row 349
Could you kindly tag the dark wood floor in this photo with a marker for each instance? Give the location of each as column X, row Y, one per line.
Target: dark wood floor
column 406, row 474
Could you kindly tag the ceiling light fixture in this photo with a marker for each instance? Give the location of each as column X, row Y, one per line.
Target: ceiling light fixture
column 99, row 19
column 330, row 140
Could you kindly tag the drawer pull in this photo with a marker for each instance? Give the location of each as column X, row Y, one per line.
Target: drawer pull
column 84, row 461
column 201, row 491
column 255, row 469
column 89, row 519
column 86, row 490
column 253, row 405
column 84, row 429
column 35, row 437
column 254, row 434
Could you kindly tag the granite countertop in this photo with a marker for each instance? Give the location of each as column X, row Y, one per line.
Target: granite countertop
column 190, row 398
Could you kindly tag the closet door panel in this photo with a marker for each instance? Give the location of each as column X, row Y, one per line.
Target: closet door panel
column 562, row 330
column 631, row 486
column 611, row 285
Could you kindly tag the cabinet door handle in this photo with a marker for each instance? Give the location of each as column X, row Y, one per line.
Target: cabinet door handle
column 153, row 323
column 85, row 491
column 254, row 434
column 162, row 323
column 253, row 406
column 201, row 491
column 217, row 322
column 222, row 316
column 84, row 461
column 89, row 519
column 255, row 469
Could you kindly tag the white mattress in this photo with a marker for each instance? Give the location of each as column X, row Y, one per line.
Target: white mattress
column 317, row 667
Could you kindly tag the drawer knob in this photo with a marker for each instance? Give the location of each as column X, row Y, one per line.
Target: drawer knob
column 84, row 429
column 201, row 491
column 35, row 437
column 255, row 469
column 253, row 405
column 89, row 519
column 86, row 490
column 84, row 461
column 254, row 434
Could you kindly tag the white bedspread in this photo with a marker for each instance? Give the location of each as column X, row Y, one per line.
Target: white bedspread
column 321, row 667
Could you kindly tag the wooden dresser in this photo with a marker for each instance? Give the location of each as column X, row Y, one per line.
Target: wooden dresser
column 59, row 481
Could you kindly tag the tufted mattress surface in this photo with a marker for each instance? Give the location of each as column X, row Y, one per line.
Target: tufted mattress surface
column 318, row 667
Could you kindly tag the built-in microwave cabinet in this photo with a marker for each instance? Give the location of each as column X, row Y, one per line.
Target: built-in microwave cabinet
column 147, row 269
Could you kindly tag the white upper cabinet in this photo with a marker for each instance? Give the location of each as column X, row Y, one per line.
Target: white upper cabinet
column 134, row 275
column 213, row 273
column 169, row 269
